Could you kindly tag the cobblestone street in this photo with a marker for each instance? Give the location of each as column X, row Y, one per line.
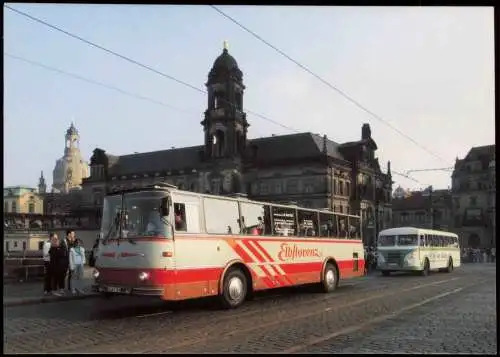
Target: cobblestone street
column 444, row 313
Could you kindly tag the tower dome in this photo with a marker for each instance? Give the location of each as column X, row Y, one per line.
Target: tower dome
column 225, row 64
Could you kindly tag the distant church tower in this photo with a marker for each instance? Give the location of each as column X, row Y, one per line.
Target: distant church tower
column 225, row 123
column 42, row 186
column 71, row 169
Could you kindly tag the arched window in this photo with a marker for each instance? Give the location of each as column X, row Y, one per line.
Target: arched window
column 31, row 207
column 219, row 143
column 239, row 101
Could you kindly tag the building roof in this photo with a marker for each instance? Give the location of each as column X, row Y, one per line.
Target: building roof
column 293, row 147
column 268, row 149
column 485, row 154
column 172, row 159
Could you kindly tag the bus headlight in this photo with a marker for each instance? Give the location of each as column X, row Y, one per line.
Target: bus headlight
column 380, row 259
column 410, row 258
column 143, row 276
column 95, row 273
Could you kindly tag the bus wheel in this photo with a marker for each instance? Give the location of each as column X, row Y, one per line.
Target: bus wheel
column 449, row 269
column 330, row 278
column 234, row 289
column 426, row 270
column 386, row 273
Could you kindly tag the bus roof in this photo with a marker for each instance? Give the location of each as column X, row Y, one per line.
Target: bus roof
column 414, row 230
column 174, row 189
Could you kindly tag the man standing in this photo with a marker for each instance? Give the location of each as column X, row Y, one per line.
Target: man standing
column 47, row 286
column 68, row 243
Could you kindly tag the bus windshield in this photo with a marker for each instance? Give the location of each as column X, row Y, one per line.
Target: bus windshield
column 386, row 241
column 142, row 215
column 110, row 212
column 134, row 215
column 407, row 239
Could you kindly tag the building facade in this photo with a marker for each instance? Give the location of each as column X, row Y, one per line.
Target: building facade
column 431, row 209
column 474, row 193
column 21, row 199
column 307, row 169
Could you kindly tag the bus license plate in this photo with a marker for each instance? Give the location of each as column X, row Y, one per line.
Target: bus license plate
column 113, row 289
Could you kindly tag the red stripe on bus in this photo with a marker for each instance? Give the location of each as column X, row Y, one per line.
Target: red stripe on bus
column 264, row 252
column 254, row 251
column 243, row 255
column 268, row 274
column 284, row 277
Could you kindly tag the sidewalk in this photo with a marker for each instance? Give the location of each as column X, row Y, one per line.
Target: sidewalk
column 32, row 292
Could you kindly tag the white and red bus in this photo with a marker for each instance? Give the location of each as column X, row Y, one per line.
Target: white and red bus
column 174, row 244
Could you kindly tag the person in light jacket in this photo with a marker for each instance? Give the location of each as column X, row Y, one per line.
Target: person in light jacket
column 76, row 265
column 47, row 285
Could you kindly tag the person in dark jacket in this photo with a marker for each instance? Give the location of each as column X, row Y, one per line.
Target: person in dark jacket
column 57, row 265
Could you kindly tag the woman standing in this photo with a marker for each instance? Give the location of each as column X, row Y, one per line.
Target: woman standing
column 57, row 265
column 76, row 265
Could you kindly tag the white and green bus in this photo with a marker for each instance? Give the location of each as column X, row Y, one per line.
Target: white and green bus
column 418, row 250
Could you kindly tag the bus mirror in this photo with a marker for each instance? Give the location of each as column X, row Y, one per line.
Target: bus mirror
column 165, row 206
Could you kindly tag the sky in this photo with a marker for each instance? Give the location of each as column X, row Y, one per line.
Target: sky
column 428, row 71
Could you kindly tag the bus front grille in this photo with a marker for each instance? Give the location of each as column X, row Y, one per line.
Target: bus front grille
column 394, row 258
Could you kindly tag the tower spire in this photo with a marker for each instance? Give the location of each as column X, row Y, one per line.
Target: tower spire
column 226, row 45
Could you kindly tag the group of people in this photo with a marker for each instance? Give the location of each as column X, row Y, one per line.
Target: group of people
column 476, row 255
column 64, row 260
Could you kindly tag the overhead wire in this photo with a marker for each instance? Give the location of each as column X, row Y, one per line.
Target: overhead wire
column 33, row 18
column 327, row 83
column 92, row 81
column 130, row 60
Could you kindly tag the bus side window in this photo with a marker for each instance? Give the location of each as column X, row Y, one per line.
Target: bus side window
column 221, row 216
column 422, row 240
column 308, row 223
column 326, row 224
column 180, row 217
column 354, row 227
column 284, row 220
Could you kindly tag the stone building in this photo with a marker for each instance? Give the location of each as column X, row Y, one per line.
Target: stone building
column 21, row 199
column 308, row 169
column 71, row 169
column 431, row 209
column 474, row 190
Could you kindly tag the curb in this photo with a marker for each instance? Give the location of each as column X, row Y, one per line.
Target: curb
column 48, row 300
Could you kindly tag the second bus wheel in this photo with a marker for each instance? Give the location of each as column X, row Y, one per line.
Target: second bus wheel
column 234, row 290
column 330, row 278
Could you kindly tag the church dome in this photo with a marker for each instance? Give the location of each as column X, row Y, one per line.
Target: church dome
column 225, row 61
column 71, row 169
column 225, row 64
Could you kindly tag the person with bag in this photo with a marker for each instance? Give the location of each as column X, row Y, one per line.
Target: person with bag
column 76, row 266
